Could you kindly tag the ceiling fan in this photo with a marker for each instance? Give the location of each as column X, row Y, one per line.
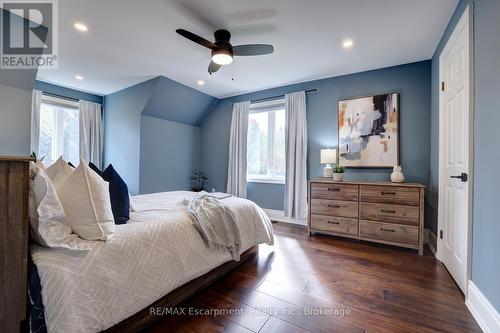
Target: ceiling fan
column 223, row 51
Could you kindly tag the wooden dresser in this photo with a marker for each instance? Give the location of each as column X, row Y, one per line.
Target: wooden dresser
column 381, row 212
column 14, row 185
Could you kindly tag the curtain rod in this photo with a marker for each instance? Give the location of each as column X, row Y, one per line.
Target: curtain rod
column 278, row 96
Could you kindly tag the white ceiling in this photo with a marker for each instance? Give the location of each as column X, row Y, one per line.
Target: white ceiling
column 130, row 41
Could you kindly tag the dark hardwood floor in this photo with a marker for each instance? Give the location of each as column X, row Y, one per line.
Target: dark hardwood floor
column 327, row 284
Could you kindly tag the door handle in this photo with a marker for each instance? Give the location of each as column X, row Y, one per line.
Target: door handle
column 463, row 177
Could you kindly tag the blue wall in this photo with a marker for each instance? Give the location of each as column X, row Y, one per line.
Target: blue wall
column 122, row 130
column 16, row 87
column 412, row 81
column 15, row 120
column 266, row 195
column 67, row 92
column 485, row 224
column 162, row 99
column 170, row 152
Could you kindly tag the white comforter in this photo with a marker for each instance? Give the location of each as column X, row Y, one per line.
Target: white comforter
column 157, row 251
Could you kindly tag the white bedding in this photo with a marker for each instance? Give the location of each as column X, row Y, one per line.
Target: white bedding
column 157, row 251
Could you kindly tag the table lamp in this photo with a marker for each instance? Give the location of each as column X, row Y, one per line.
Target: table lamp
column 328, row 156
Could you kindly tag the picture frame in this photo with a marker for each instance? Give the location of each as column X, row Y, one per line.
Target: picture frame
column 369, row 131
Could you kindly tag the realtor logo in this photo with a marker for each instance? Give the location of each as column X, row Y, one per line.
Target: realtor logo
column 29, row 34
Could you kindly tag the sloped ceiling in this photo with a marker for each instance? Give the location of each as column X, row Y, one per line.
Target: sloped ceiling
column 173, row 101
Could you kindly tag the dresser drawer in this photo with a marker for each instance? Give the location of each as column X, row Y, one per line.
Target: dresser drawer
column 334, row 208
column 390, row 232
column 390, row 213
column 346, row 192
column 408, row 196
column 334, row 224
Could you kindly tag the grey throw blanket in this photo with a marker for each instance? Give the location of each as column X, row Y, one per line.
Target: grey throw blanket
column 215, row 222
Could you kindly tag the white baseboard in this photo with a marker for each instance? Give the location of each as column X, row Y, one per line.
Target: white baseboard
column 485, row 314
column 279, row 216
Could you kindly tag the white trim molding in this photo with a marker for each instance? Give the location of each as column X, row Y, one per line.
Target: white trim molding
column 483, row 311
column 279, row 216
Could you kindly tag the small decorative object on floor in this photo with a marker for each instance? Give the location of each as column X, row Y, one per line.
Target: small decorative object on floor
column 328, row 156
column 397, row 175
column 198, row 179
column 338, row 173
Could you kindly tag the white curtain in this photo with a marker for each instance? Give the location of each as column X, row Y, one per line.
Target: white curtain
column 36, row 102
column 296, row 155
column 237, row 165
column 91, row 135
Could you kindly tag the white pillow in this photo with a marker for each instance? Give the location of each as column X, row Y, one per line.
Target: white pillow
column 59, row 171
column 47, row 219
column 85, row 198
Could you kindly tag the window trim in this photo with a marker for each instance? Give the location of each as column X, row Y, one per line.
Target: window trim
column 260, row 107
column 60, row 101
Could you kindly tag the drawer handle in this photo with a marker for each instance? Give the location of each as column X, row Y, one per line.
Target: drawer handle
column 390, row 230
column 334, row 189
column 388, row 211
column 333, row 206
column 333, row 222
column 388, row 193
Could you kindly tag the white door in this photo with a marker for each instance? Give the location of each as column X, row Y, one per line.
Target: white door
column 454, row 147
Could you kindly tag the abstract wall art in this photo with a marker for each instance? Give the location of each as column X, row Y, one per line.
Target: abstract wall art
column 369, row 131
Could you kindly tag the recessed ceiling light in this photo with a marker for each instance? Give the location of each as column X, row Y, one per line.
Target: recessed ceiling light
column 79, row 77
column 80, row 27
column 200, row 82
column 347, row 43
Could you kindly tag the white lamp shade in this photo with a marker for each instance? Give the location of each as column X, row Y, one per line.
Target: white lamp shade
column 328, row 156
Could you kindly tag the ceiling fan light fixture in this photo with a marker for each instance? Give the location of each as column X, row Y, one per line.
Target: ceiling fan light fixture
column 222, row 57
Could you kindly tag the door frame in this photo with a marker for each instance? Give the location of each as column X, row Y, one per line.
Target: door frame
column 466, row 18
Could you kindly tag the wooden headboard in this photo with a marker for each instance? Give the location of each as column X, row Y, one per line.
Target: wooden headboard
column 14, row 187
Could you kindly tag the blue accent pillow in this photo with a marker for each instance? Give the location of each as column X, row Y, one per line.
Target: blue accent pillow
column 95, row 168
column 118, row 192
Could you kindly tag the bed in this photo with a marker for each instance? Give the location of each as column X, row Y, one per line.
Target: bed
column 155, row 254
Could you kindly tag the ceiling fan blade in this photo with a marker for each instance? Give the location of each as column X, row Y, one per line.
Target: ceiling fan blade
column 252, row 49
column 195, row 38
column 213, row 67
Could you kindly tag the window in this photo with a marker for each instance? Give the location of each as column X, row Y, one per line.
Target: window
column 59, row 130
column 266, row 143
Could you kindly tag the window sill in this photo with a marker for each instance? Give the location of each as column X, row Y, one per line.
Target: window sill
column 266, row 180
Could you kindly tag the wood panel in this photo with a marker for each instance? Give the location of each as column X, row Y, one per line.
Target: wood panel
column 334, row 224
column 389, row 231
column 386, row 289
column 390, row 213
column 395, row 195
column 14, row 182
column 334, row 208
column 345, row 192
